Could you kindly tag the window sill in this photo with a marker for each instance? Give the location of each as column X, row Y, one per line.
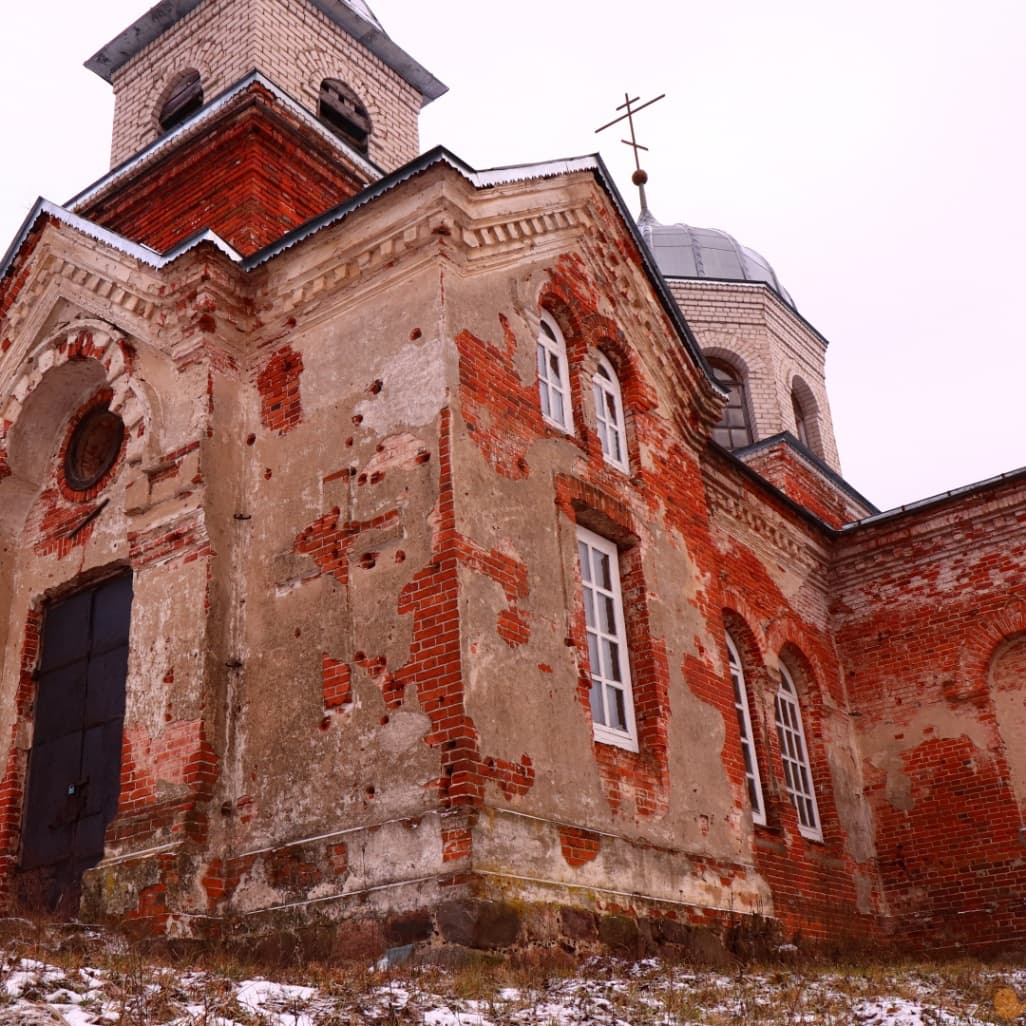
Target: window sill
column 606, row 736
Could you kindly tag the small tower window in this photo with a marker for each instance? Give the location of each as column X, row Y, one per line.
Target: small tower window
column 340, row 108
column 184, row 99
column 734, row 429
column 801, row 427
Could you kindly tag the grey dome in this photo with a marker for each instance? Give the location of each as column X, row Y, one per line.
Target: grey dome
column 681, row 251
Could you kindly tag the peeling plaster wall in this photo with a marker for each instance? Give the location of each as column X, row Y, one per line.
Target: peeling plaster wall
column 774, row 588
column 339, row 500
column 145, row 514
column 582, row 812
column 358, row 681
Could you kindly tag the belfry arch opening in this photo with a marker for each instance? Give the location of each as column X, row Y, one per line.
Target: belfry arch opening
column 344, row 113
column 183, row 98
column 804, row 410
column 734, row 430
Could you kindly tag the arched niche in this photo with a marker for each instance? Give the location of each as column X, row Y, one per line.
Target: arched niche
column 54, row 381
column 1007, row 683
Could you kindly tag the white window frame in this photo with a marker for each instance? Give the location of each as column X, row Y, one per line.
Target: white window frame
column 609, row 419
column 744, row 726
column 608, row 658
column 554, row 375
column 794, row 753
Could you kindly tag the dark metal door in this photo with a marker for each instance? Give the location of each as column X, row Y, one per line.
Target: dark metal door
column 75, row 765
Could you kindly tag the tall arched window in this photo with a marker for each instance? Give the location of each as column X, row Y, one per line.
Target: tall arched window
column 744, row 727
column 734, row 429
column 609, row 414
column 795, row 756
column 553, row 375
column 612, row 701
column 184, row 98
column 340, row 108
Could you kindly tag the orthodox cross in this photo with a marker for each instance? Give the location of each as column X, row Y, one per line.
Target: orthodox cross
column 640, row 177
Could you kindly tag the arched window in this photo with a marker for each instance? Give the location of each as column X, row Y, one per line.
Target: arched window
column 340, row 108
column 734, row 429
column 609, row 414
column 801, row 427
column 183, row 100
column 795, row 756
column 744, row 727
column 553, row 375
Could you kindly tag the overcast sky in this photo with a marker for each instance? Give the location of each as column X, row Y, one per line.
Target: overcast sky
column 872, row 151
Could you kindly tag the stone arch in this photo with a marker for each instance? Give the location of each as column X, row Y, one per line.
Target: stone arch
column 560, row 311
column 205, row 57
column 345, row 112
column 805, row 677
column 804, row 398
column 982, row 644
column 316, row 64
column 731, row 357
column 55, row 378
column 737, row 425
column 180, row 99
column 790, row 642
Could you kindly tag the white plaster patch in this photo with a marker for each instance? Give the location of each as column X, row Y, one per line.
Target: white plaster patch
column 397, row 452
column 405, row 729
column 414, row 388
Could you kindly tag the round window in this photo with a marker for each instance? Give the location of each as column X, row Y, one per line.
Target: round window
column 93, row 448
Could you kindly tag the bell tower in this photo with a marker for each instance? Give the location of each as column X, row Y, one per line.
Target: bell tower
column 251, row 117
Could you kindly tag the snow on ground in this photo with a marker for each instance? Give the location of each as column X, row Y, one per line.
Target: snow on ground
column 127, row 991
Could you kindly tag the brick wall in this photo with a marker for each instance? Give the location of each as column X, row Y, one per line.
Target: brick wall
column 931, row 610
column 757, row 333
column 799, row 479
column 250, row 175
column 291, row 43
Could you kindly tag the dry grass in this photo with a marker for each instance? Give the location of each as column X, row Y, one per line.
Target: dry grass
column 114, row 982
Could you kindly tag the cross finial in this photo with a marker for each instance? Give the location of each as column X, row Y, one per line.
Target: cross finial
column 640, row 177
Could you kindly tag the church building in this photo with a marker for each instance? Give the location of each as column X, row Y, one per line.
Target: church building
column 401, row 553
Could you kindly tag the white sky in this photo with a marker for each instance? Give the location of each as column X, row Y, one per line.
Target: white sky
column 873, row 151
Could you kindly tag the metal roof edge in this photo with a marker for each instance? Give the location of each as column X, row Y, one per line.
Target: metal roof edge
column 291, row 238
column 938, row 499
column 788, row 439
column 437, row 155
column 208, row 112
column 384, row 48
column 753, row 475
column 144, row 254
column 756, row 284
column 117, row 52
column 44, row 207
column 111, row 57
column 501, row 176
column 655, row 275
